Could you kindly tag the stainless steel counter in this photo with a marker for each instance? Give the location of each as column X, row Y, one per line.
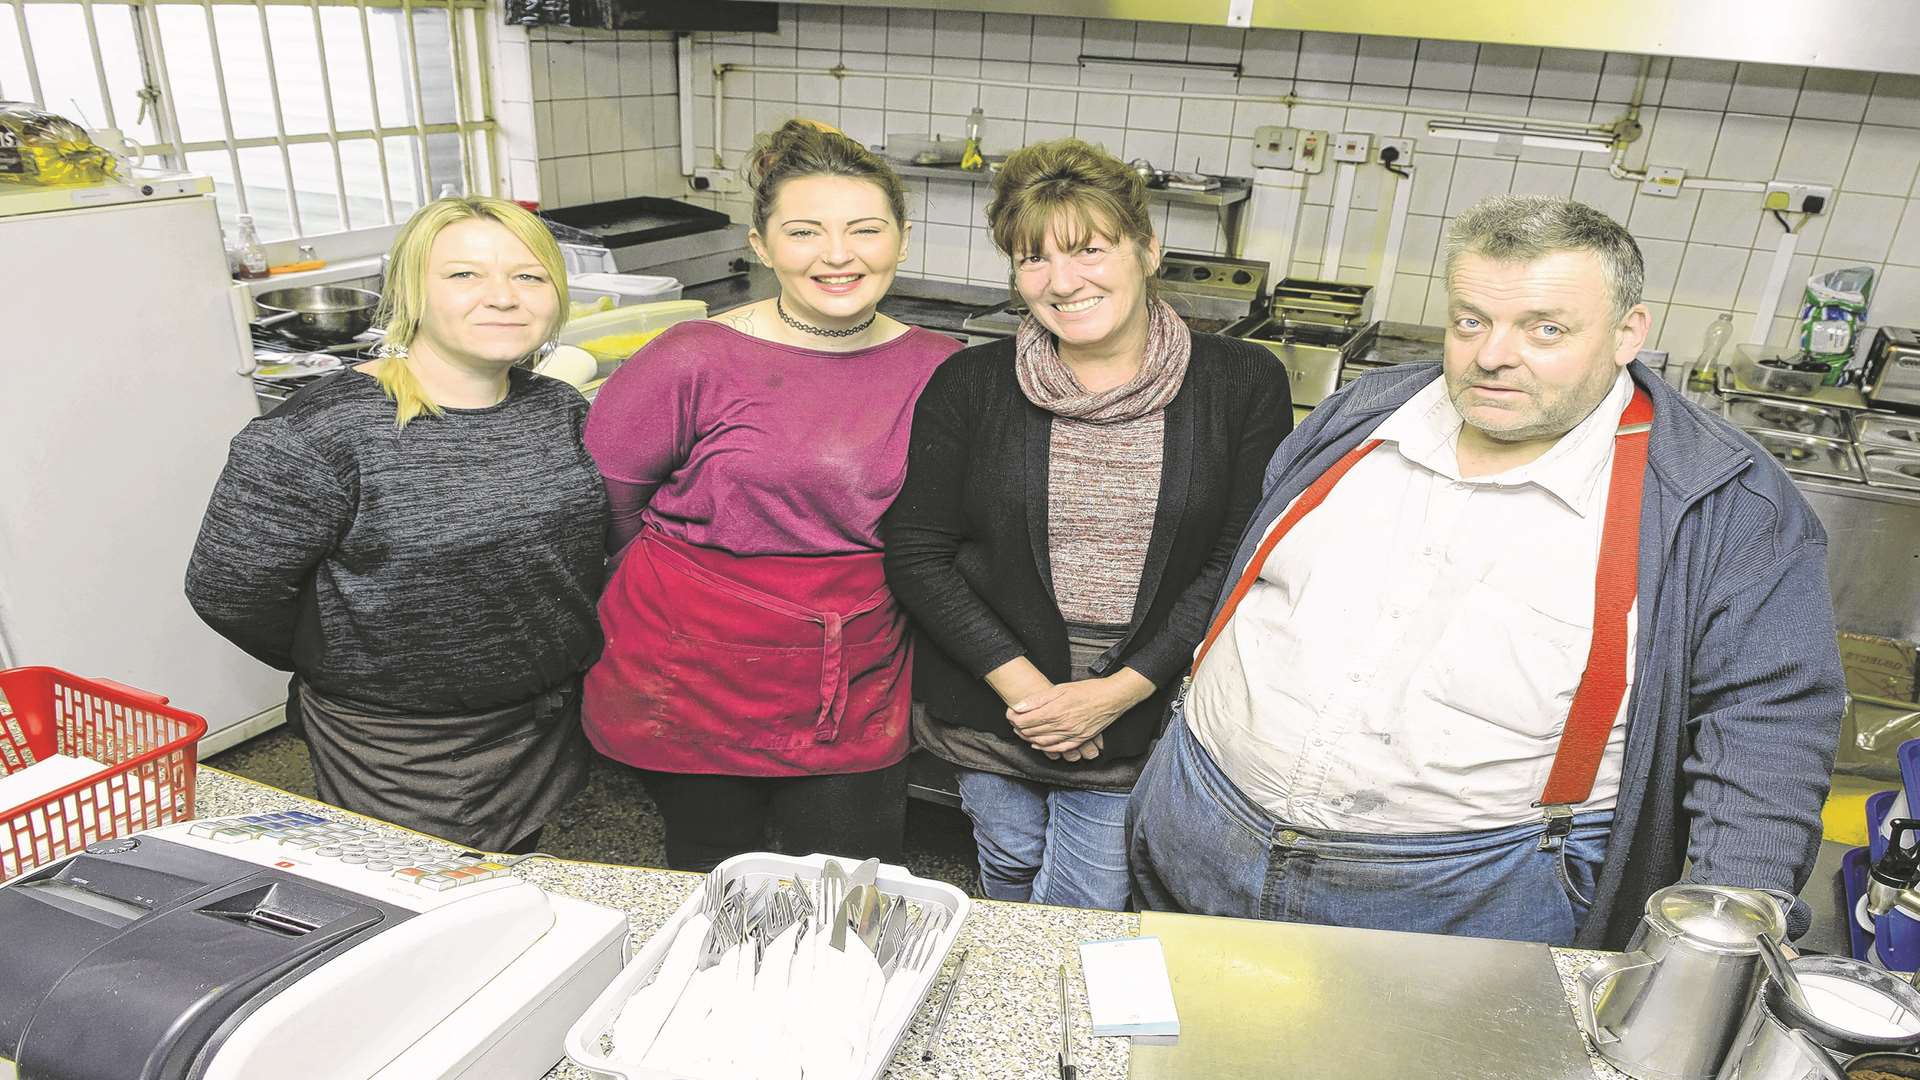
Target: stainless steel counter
column 931, row 305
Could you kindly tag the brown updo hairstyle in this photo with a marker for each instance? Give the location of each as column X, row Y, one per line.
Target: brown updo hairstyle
column 1073, row 191
column 801, row 148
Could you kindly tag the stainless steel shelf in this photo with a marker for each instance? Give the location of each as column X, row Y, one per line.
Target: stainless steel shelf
column 1227, row 201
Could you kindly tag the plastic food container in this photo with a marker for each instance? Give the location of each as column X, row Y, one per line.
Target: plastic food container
column 584, row 1040
column 612, row 336
column 624, row 289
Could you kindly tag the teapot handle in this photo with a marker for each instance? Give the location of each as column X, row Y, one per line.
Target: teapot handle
column 1590, row 978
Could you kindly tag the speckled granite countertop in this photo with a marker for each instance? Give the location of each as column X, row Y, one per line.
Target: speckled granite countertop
column 1002, row 1023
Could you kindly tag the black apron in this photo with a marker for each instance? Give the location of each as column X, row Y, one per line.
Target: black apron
column 483, row 779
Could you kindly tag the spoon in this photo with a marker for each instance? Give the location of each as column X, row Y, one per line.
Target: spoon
column 1781, row 971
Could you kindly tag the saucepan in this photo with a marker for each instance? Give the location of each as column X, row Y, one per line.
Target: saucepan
column 317, row 314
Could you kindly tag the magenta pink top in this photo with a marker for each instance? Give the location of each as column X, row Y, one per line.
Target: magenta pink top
column 720, row 439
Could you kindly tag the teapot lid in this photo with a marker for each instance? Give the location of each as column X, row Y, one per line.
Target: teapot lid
column 1717, row 916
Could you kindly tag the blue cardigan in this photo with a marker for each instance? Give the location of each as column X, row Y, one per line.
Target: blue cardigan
column 1737, row 695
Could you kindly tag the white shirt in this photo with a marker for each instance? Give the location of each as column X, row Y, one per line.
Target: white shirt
column 1406, row 660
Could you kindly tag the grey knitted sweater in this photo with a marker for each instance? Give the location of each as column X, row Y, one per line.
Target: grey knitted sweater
column 450, row 566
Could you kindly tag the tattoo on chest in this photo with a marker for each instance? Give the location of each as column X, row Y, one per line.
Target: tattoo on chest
column 742, row 321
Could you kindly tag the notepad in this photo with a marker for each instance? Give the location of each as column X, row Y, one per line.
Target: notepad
column 1127, row 988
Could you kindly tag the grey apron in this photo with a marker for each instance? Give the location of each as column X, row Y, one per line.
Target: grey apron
column 483, row 779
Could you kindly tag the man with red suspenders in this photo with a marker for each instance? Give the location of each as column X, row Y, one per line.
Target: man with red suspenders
column 1507, row 644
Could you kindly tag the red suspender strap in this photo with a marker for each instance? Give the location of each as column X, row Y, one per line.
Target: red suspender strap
column 1597, row 701
column 1315, row 494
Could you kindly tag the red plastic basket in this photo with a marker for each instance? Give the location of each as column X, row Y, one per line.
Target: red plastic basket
column 149, row 751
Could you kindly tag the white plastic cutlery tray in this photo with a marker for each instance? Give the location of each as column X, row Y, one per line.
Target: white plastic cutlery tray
column 586, row 1040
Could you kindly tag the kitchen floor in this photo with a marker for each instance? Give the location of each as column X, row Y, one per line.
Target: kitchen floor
column 614, row 820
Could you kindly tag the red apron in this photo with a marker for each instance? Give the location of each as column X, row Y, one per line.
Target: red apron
column 764, row 665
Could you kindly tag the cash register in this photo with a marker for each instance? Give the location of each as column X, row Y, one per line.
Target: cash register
column 292, row 945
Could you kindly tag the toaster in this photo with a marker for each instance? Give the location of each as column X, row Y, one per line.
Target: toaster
column 1893, row 370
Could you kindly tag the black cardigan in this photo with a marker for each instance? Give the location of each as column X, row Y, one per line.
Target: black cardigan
column 966, row 541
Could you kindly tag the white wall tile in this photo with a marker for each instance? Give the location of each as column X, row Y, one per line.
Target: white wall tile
column 1534, row 178
column 1432, row 176
column 1153, row 113
column 1662, row 258
column 1310, row 239
column 1271, row 53
column 1056, row 40
column 957, row 34
column 1906, row 241
column 1759, row 263
column 1817, row 151
column 1663, row 218
column 952, row 97
column 1683, row 328
column 1445, row 65
column 1749, row 147
column 819, row 27
column 539, row 71
column 1896, row 297
column 570, row 128
column 863, row 29
column 1885, row 161
column 609, row 174
column 1727, row 217
column 1160, row 41
column 1698, row 84
column 866, row 126
column 1201, row 153
column 1386, row 61
column 1436, row 306
column 1111, row 139
column 1216, row 44
column 738, row 121
column 1420, row 245
column 543, row 129
column 666, row 121
column 1684, row 137
column 946, row 245
column 602, row 59
column 636, row 124
column 1896, row 100
column 1155, row 146
column 1831, row 94
column 566, row 70
column 1203, row 117
column 1862, row 227
column 1327, row 57
column 1053, row 106
column 1766, row 89
column 523, row 179
column 1506, row 69
column 575, row 178
column 909, row 95
column 1569, row 73
column 1007, row 37
column 1621, row 73
column 1710, row 276
column 984, row 261
column 1107, row 37
column 638, row 167
column 1190, row 228
column 549, row 193
column 1476, row 178
column 909, row 32
column 1409, row 298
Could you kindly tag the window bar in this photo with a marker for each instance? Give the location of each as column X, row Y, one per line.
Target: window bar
column 373, row 101
column 166, row 119
column 457, row 56
column 333, row 125
column 99, row 65
column 419, row 105
column 226, row 111
column 26, row 51
column 491, row 135
column 280, row 122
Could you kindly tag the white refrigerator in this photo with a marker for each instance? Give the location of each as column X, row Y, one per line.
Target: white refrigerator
column 118, row 395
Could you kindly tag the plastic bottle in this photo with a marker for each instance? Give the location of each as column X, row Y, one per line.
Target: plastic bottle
column 1704, row 378
column 253, row 255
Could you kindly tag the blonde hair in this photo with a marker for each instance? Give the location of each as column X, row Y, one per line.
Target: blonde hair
column 1072, row 191
column 403, row 300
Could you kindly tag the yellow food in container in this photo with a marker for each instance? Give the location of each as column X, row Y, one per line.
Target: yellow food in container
column 619, row 346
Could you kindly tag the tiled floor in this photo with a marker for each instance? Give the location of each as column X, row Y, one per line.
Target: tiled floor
column 614, row 819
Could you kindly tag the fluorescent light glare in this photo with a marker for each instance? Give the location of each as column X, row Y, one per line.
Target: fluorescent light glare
column 1545, row 140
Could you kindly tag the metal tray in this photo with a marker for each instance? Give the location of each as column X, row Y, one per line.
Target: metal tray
column 1888, row 432
column 1785, row 417
column 1891, row 468
column 1810, row 457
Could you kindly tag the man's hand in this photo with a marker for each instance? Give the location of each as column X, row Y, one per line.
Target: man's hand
column 1066, row 720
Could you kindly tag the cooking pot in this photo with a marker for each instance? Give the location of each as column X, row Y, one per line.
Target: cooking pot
column 1853, row 1008
column 317, row 314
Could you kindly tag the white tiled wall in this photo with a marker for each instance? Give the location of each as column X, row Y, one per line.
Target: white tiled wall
column 604, row 116
column 1707, row 251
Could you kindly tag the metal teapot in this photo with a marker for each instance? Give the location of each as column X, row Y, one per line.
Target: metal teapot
column 1671, row 1006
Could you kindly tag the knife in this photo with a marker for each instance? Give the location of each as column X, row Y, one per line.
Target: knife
column 1068, row 1071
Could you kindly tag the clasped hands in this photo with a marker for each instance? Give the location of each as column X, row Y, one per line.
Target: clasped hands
column 1065, row 720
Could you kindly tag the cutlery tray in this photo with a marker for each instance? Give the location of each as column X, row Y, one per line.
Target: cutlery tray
column 584, row 1042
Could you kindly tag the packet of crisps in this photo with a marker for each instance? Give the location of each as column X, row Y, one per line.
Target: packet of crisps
column 41, row 149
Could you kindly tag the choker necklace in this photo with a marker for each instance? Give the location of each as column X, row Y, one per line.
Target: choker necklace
column 820, row 331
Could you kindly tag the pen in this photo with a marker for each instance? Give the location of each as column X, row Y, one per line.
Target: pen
column 940, row 1017
column 1067, row 1069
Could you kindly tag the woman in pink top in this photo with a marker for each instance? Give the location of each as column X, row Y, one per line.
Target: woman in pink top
column 756, row 665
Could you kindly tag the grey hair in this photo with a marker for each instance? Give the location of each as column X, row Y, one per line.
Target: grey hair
column 1522, row 228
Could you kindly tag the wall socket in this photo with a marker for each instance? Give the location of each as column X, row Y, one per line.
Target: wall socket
column 1310, row 152
column 719, row 181
column 1664, row 181
column 1273, row 147
column 1792, row 198
column 1353, row 146
column 1402, row 152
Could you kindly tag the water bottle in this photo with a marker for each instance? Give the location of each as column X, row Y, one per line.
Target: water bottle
column 1703, row 377
column 253, row 255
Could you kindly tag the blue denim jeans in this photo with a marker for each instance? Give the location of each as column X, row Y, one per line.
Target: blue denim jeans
column 1045, row 844
column 1197, row 844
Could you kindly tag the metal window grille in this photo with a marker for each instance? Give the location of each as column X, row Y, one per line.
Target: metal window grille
column 313, row 116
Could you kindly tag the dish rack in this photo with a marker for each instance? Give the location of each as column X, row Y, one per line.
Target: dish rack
column 586, row 1043
column 148, row 748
